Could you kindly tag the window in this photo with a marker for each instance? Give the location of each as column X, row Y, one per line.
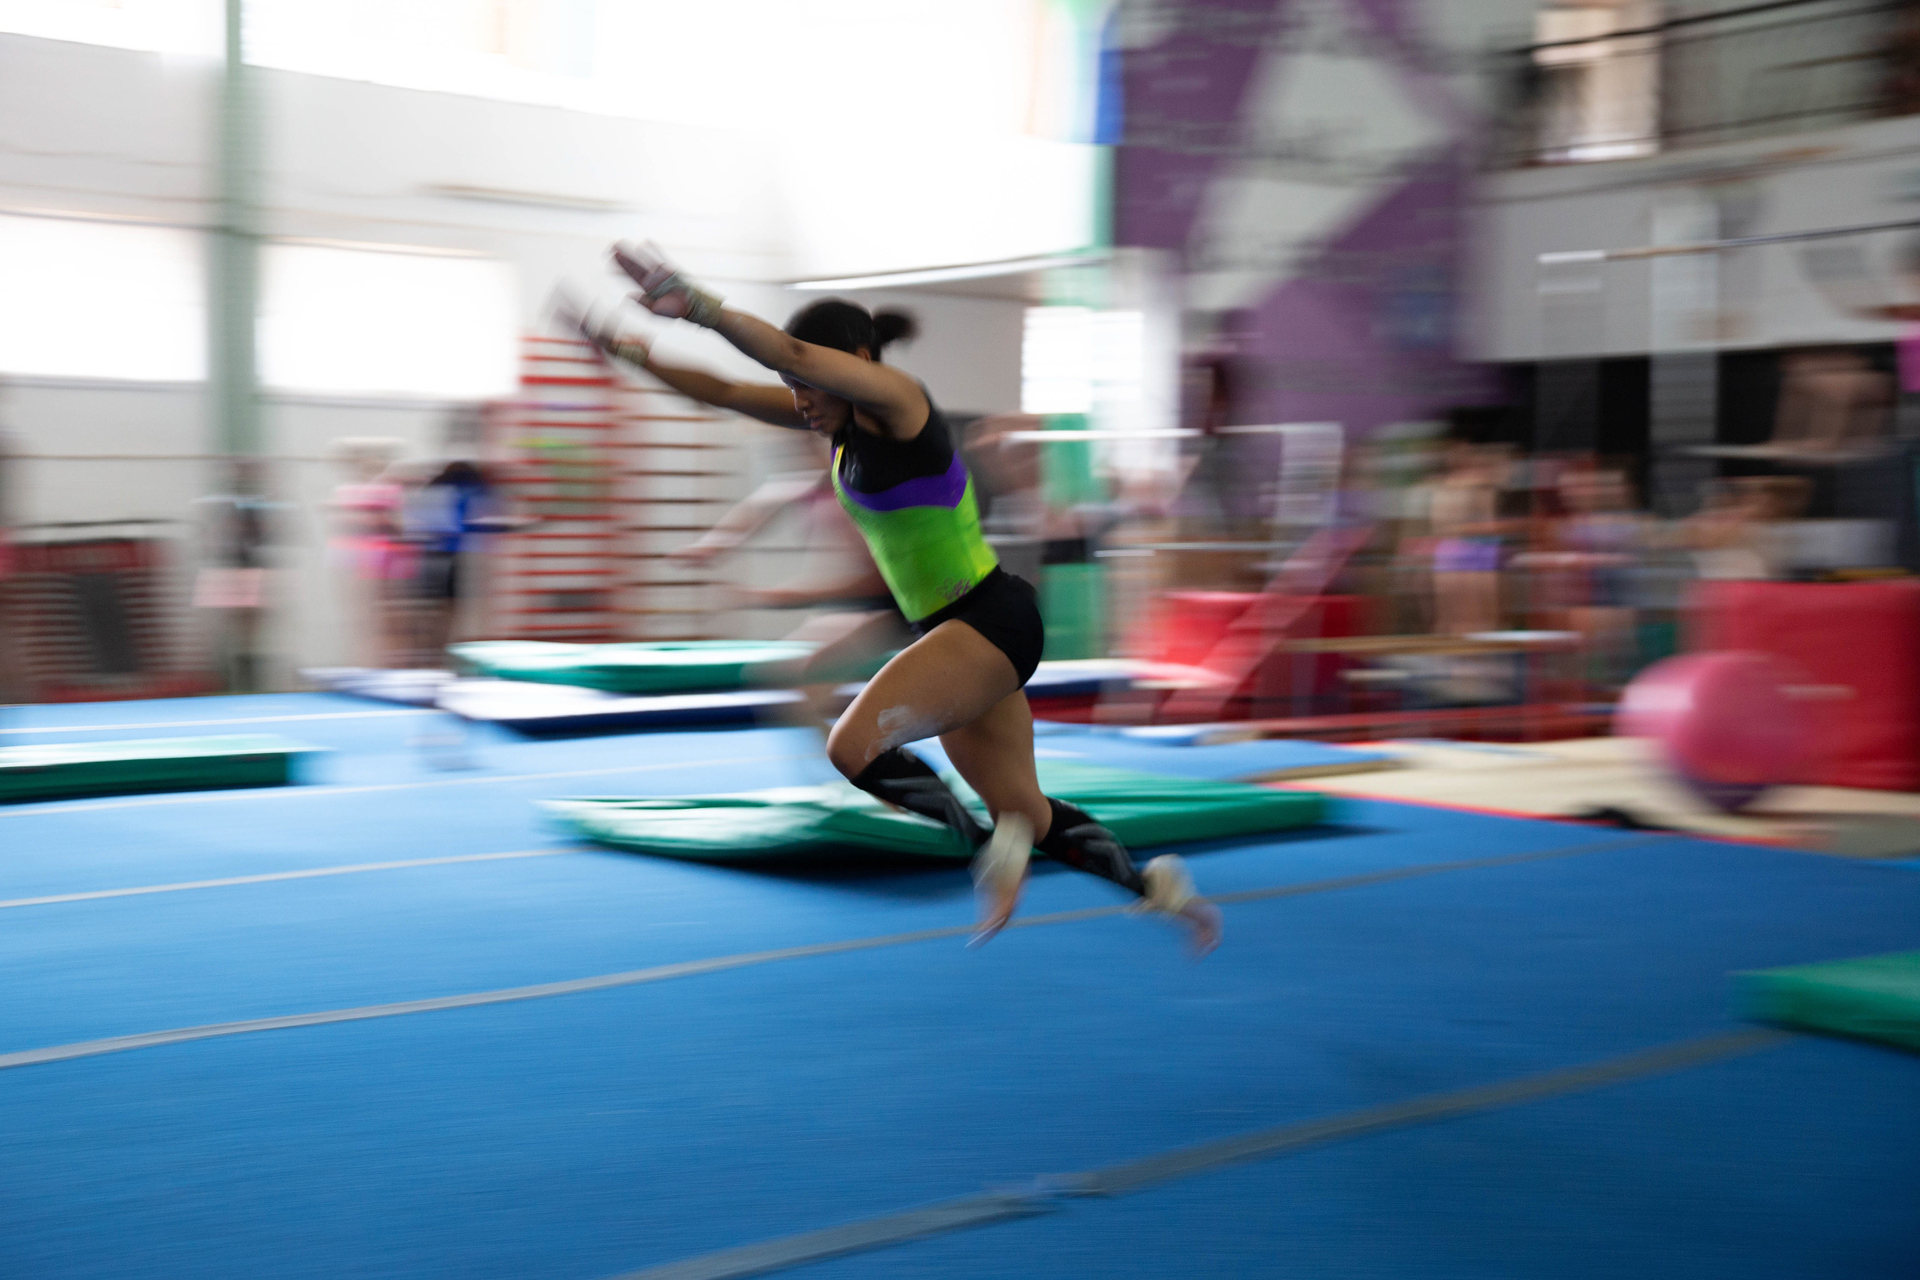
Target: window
column 162, row 26
column 369, row 321
column 1077, row 360
column 104, row 300
column 1601, row 99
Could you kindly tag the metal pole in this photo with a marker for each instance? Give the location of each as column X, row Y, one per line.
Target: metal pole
column 232, row 378
column 233, row 263
column 1566, row 256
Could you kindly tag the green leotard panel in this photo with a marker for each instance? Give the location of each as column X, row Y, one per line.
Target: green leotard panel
column 921, row 524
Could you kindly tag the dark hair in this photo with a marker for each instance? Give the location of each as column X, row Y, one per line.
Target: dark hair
column 460, row 472
column 848, row 326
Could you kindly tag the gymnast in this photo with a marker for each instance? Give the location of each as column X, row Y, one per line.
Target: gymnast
column 896, row 471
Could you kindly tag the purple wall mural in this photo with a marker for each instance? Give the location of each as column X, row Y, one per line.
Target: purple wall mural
column 1183, row 100
column 1360, row 328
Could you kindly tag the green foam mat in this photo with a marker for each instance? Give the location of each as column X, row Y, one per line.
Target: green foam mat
column 693, row 666
column 65, row 770
column 1142, row 809
column 1870, row 998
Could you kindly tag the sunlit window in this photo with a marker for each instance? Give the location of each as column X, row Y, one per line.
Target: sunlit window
column 986, row 66
column 355, row 321
column 161, row 26
column 101, row 300
column 990, row 102
column 1075, row 359
column 127, row 302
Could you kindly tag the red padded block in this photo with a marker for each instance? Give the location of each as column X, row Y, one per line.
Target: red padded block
column 1858, row 646
column 1235, row 635
column 1185, row 626
column 1281, row 675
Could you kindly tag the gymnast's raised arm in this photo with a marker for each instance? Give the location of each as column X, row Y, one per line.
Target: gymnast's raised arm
column 890, row 398
column 762, row 401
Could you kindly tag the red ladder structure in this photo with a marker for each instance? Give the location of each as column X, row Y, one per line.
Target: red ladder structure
column 557, row 581
column 617, row 476
column 670, row 463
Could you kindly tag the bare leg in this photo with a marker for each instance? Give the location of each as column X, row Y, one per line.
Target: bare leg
column 944, row 684
column 994, row 753
column 948, row 678
column 955, row 684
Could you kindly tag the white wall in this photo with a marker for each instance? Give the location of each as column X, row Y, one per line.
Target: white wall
column 1859, row 175
column 95, row 131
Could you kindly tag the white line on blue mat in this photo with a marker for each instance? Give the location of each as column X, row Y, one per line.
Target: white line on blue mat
column 749, row 959
column 1048, row 1194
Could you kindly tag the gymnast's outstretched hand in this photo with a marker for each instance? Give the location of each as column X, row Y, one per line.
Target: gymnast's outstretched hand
column 663, row 289
column 603, row 331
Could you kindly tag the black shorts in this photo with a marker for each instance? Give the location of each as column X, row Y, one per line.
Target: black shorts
column 439, row 575
column 1005, row 609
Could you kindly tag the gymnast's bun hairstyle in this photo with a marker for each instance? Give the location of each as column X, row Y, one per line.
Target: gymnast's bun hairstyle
column 848, row 326
column 894, row 326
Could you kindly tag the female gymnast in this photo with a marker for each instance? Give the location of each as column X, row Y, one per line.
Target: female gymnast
column 899, row 477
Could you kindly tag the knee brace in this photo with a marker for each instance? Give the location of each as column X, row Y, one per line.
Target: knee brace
column 1083, row 844
column 905, row 780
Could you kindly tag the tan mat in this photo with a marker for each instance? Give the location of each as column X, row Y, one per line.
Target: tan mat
column 1587, row 775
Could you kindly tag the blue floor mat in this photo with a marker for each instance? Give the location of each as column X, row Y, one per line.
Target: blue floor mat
column 588, row 1135
column 1563, row 1188
column 585, row 1135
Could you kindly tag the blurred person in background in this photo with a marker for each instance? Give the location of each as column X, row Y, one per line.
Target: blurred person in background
column 1831, row 399
column 366, row 549
column 1223, row 490
column 1876, row 307
column 1855, row 285
column 1028, row 529
column 1463, row 512
column 443, row 520
column 1399, row 462
column 860, row 622
column 399, row 586
column 1591, row 553
column 239, row 528
column 1737, row 532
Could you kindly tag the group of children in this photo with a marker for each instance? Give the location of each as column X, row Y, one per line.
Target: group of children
column 402, row 536
column 1498, row 541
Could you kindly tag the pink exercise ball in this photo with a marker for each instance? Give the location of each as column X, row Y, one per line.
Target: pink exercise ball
column 1725, row 723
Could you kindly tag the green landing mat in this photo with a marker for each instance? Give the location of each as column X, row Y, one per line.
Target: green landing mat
column 1870, row 998
column 65, row 770
column 1143, row 809
column 691, row 666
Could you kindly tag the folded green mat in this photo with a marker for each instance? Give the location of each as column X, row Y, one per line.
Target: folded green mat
column 693, row 666
column 64, row 770
column 1142, row 809
column 1871, row 998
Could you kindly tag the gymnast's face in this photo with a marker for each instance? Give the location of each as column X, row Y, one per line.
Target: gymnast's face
column 824, row 413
